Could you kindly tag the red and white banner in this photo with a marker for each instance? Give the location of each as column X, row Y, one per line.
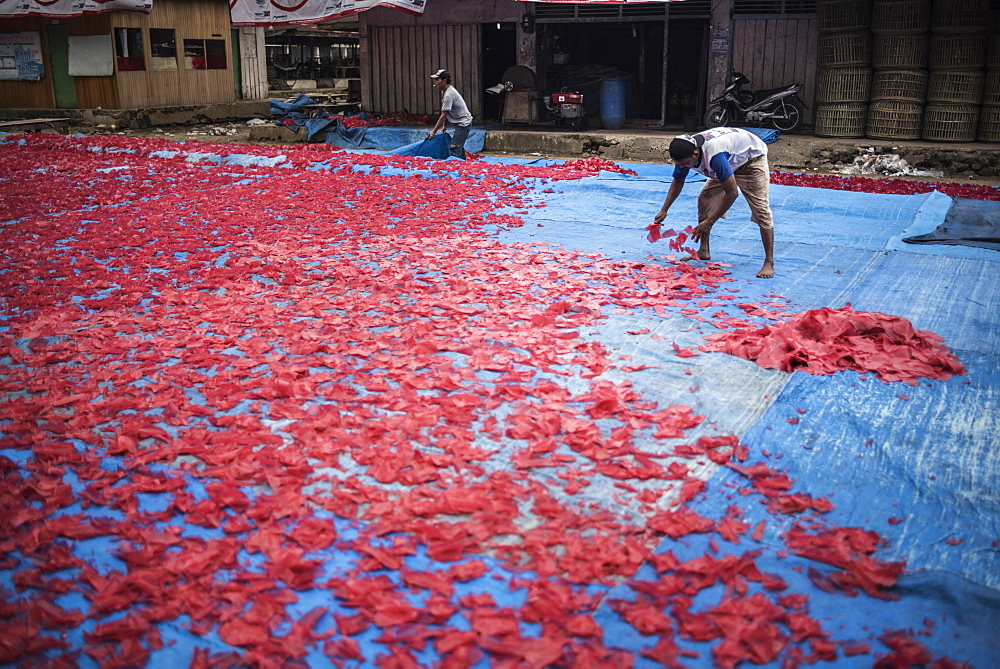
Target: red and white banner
column 70, row 7
column 281, row 12
column 605, row 2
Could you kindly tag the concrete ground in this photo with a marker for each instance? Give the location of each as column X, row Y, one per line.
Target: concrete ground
column 971, row 162
column 242, row 123
column 976, row 163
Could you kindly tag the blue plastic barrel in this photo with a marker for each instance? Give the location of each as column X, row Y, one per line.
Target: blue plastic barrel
column 613, row 103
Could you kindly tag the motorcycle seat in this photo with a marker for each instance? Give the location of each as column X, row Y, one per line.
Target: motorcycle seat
column 760, row 95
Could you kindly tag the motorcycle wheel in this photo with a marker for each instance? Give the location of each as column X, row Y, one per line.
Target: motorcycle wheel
column 716, row 116
column 792, row 113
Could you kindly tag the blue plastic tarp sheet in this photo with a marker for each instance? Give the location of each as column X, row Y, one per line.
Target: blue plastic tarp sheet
column 438, row 147
column 392, row 138
column 768, row 135
column 968, row 223
column 917, row 465
column 296, row 105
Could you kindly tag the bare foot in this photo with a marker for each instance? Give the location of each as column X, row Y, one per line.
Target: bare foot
column 766, row 272
column 702, row 255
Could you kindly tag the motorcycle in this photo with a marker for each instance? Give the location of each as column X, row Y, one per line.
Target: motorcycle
column 780, row 107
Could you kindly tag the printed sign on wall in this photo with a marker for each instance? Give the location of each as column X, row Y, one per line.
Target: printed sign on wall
column 21, row 56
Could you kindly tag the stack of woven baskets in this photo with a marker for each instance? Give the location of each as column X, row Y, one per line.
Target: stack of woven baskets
column 843, row 58
column 958, row 53
column 907, row 69
column 900, row 29
column 989, row 117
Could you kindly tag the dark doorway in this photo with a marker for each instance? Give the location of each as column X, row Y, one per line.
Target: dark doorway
column 577, row 57
column 499, row 42
column 687, row 54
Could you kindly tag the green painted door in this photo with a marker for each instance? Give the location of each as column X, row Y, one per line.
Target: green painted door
column 234, row 43
column 63, row 85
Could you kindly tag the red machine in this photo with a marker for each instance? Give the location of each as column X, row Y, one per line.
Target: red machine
column 565, row 107
column 522, row 103
column 567, row 98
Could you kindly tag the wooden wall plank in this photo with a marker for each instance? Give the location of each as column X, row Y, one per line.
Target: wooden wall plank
column 777, row 52
column 379, row 41
column 765, row 72
column 254, row 63
column 422, row 71
column 402, row 59
column 777, row 73
column 747, row 47
column 809, row 70
column 739, row 44
column 410, row 67
column 94, row 92
column 760, row 45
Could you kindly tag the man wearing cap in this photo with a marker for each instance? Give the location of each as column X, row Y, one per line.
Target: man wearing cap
column 731, row 158
column 454, row 111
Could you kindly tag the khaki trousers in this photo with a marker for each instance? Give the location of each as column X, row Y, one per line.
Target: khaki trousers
column 754, row 181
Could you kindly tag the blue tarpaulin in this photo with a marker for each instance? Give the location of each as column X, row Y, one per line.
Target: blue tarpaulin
column 437, row 147
column 768, row 135
column 919, row 466
column 394, row 138
column 296, row 105
column 400, row 140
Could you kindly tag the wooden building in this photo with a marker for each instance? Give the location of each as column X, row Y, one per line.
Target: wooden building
column 674, row 55
column 183, row 52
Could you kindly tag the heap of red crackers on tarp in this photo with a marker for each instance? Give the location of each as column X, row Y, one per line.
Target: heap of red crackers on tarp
column 826, row 340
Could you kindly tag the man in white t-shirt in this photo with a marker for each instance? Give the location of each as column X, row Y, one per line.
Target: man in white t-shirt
column 733, row 160
column 454, row 112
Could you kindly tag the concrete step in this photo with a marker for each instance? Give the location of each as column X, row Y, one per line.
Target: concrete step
column 791, row 152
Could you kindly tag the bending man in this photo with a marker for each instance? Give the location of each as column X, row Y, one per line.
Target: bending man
column 731, row 158
column 454, row 112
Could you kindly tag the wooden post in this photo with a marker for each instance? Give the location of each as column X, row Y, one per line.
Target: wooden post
column 720, row 53
column 526, row 42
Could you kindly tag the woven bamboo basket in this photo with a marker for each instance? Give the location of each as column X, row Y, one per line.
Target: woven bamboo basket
column 993, row 51
column 901, row 16
column 960, row 16
column 850, row 49
column 892, row 119
column 841, row 120
column 900, row 52
column 951, row 123
column 989, row 124
column 991, row 89
column 834, row 16
column 956, row 86
column 957, row 52
column 844, row 84
column 902, row 85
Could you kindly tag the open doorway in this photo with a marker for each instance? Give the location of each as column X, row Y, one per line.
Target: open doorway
column 577, row 57
column 687, row 63
column 499, row 42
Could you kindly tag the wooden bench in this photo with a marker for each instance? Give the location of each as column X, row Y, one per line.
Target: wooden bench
column 32, row 124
